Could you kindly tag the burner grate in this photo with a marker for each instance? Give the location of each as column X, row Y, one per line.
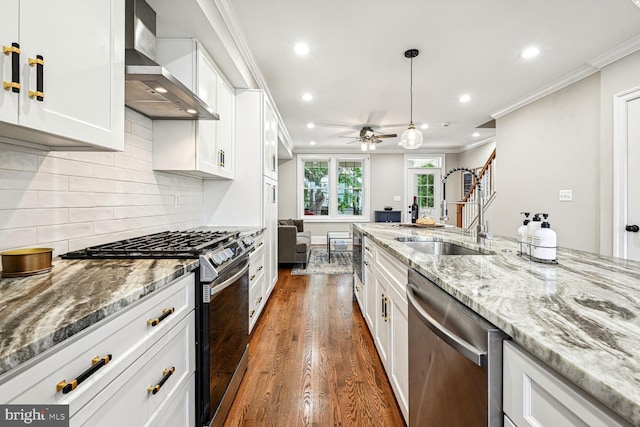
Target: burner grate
column 166, row 244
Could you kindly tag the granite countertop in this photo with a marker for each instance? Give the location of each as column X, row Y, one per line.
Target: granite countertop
column 43, row 310
column 581, row 317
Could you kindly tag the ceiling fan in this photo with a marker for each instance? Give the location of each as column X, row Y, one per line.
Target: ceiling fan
column 369, row 138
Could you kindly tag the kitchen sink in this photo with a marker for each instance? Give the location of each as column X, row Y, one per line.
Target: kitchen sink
column 434, row 246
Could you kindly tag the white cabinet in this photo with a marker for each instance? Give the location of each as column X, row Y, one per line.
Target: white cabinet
column 271, row 225
column 270, row 142
column 536, row 396
column 386, row 314
column 136, row 351
column 71, row 74
column 257, row 275
column 358, row 290
column 202, row 148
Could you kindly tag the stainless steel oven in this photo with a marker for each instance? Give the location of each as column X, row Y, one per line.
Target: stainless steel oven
column 222, row 313
column 455, row 361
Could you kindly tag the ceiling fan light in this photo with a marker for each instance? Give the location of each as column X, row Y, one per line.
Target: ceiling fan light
column 363, row 146
column 372, row 146
column 411, row 138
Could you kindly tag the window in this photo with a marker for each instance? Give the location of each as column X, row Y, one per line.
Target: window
column 333, row 188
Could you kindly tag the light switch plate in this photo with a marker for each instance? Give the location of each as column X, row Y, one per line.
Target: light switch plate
column 566, row 195
column 396, row 198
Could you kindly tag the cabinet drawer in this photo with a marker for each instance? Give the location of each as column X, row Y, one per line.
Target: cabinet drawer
column 392, row 269
column 369, row 247
column 256, row 300
column 534, row 395
column 258, row 244
column 125, row 336
column 182, row 410
column 256, row 266
column 129, row 399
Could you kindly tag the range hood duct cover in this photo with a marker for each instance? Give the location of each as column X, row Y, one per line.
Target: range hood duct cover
column 143, row 76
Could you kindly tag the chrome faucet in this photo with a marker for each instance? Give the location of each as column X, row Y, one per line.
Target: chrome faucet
column 482, row 232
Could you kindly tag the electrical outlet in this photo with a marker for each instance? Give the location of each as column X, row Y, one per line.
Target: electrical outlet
column 566, row 195
column 396, row 198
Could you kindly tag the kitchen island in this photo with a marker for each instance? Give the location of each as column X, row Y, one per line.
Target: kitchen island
column 580, row 317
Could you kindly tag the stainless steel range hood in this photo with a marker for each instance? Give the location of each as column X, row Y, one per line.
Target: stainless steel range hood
column 150, row 89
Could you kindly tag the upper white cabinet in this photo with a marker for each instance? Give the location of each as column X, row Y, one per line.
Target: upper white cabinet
column 63, row 73
column 203, row 148
column 270, row 141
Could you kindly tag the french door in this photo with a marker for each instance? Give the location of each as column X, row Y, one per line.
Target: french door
column 424, row 183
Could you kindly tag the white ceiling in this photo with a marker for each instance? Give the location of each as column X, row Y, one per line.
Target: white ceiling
column 358, row 74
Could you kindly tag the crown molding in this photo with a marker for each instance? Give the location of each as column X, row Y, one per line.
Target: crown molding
column 590, row 67
column 477, row 144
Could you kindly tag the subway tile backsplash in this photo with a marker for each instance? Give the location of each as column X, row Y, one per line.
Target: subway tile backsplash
column 71, row 200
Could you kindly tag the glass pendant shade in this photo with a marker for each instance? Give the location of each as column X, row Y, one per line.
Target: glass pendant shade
column 411, row 138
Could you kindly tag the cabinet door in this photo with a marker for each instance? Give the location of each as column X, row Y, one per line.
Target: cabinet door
column 384, row 308
column 399, row 348
column 371, row 303
column 8, row 35
column 225, row 143
column 83, row 72
column 208, row 158
column 269, row 141
column 271, row 234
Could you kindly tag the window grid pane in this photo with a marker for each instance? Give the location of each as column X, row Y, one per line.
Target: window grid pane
column 350, row 194
column 316, row 188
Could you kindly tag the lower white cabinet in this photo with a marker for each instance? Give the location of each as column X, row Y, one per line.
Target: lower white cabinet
column 536, row 396
column 257, row 267
column 136, row 343
column 358, row 291
column 386, row 314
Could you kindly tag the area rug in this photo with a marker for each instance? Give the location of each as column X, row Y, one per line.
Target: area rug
column 319, row 263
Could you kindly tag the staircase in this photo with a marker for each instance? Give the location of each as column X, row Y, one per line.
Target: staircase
column 467, row 214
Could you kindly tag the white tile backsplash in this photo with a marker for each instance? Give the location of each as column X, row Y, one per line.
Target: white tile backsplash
column 72, row 200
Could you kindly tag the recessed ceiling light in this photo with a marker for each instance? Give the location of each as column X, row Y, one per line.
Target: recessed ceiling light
column 191, row 111
column 529, row 52
column 307, row 97
column 312, row 143
column 301, row 48
column 476, row 134
column 160, row 89
column 464, row 98
column 424, row 126
column 311, row 125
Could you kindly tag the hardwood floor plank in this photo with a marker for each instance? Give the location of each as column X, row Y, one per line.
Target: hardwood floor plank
column 312, row 361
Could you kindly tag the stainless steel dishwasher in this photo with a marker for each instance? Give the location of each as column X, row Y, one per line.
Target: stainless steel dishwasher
column 455, row 361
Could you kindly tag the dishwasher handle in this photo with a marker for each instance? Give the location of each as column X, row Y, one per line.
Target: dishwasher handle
column 478, row 357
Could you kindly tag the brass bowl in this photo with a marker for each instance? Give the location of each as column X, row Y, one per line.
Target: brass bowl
column 26, row 262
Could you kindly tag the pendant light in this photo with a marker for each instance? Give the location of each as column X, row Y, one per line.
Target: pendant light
column 412, row 137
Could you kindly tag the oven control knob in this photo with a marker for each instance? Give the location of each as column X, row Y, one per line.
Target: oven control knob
column 248, row 241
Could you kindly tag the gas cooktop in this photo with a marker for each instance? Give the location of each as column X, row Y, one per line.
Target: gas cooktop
column 167, row 244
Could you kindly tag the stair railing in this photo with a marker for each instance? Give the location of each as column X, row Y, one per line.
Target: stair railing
column 467, row 210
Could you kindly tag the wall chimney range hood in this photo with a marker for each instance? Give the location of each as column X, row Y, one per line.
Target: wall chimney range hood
column 150, row 89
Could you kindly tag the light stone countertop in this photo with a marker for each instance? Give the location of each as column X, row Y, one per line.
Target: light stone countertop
column 581, row 317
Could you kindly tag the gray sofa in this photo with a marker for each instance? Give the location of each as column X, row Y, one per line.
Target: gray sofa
column 294, row 244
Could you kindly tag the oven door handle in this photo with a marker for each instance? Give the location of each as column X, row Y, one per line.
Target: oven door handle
column 219, row 287
column 458, row 344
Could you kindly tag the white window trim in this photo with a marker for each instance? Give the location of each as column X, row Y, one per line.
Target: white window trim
column 333, row 160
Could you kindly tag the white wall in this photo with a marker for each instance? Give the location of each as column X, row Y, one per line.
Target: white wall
column 71, row 200
column 545, row 147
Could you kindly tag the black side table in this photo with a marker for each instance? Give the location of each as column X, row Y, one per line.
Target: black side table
column 387, row 216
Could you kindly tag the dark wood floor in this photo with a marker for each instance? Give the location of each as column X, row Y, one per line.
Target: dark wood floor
column 312, row 361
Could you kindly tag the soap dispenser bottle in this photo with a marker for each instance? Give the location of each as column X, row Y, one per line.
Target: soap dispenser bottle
column 522, row 234
column 545, row 241
column 532, row 227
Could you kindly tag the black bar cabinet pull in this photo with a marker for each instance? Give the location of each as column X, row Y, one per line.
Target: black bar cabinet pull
column 96, row 363
column 166, row 373
column 165, row 313
column 632, row 228
column 38, row 94
column 14, row 84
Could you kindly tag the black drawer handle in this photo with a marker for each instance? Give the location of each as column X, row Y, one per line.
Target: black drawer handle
column 252, row 313
column 96, row 363
column 259, row 300
column 259, row 244
column 14, row 84
column 260, row 268
column 38, row 94
column 165, row 313
column 166, row 373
